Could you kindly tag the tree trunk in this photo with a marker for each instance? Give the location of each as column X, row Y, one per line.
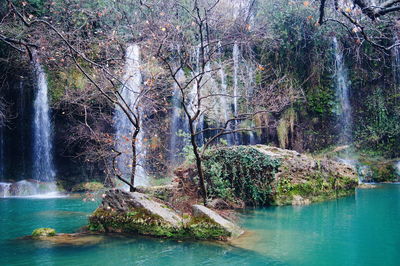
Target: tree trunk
column 197, row 155
column 134, row 159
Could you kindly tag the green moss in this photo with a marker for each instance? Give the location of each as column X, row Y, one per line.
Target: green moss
column 135, row 221
column 43, row 232
column 317, row 188
column 140, row 221
column 205, row 228
column 59, row 81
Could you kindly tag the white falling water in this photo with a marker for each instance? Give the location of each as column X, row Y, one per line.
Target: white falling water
column 235, row 86
column 124, row 128
column 178, row 121
column 343, row 94
column 224, row 103
column 235, row 78
column 43, row 167
column 192, row 96
column 250, row 92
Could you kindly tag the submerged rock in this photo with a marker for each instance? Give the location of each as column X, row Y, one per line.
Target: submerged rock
column 78, row 239
column 134, row 212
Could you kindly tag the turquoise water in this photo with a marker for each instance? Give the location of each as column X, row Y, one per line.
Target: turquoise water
column 363, row 229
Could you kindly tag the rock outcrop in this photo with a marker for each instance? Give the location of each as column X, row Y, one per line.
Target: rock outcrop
column 134, row 212
column 201, row 211
column 122, row 201
column 302, row 179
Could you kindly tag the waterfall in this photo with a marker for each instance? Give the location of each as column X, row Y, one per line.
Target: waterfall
column 235, row 77
column 43, row 168
column 21, row 127
column 192, row 96
column 235, row 87
column 224, row 104
column 178, row 121
column 250, row 92
column 124, row 129
column 343, row 95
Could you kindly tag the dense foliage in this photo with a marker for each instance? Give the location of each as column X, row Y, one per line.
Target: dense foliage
column 240, row 173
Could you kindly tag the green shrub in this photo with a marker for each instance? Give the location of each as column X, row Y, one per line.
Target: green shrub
column 240, row 173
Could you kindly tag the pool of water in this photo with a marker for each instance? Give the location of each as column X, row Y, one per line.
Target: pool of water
column 363, row 229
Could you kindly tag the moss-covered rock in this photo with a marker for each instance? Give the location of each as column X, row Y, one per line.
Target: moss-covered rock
column 124, row 212
column 41, row 232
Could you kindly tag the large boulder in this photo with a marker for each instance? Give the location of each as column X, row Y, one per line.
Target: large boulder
column 134, row 212
column 232, row 229
column 123, row 201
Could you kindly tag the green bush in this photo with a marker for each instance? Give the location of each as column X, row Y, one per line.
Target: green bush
column 240, row 173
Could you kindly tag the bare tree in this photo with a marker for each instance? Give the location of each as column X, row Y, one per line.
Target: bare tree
column 198, row 92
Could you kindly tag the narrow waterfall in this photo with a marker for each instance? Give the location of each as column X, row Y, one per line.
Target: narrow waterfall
column 178, row 122
column 22, row 129
column 235, row 87
column 43, row 167
column 124, row 128
column 235, row 78
column 250, row 92
column 192, row 97
column 343, row 95
column 224, row 103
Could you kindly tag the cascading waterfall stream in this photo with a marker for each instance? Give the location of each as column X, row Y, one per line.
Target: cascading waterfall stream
column 178, row 122
column 343, row 94
column 21, row 127
column 224, row 104
column 192, row 97
column 235, row 85
column 124, row 128
column 250, row 89
column 43, row 173
column 345, row 110
column 235, row 77
column 43, row 167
